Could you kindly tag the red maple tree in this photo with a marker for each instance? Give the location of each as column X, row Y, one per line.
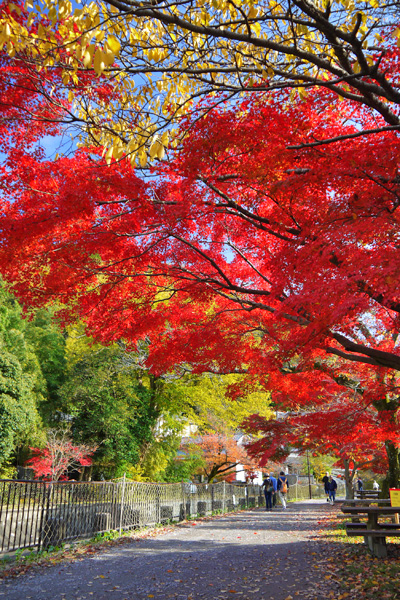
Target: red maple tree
column 58, row 456
column 221, row 454
column 352, row 434
column 253, row 248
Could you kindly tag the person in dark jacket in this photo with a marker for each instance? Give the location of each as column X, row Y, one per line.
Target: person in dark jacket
column 275, row 484
column 332, row 487
column 268, row 491
column 325, row 480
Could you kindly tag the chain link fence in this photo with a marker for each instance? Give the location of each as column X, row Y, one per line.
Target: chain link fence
column 35, row 514
column 305, row 491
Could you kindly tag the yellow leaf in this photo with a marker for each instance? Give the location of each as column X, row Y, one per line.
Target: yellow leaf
column 108, row 57
column 98, row 62
column 109, row 155
column 154, row 148
column 143, row 159
column 113, row 44
column 88, row 57
column 41, row 31
column 161, row 151
column 99, row 35
column 165, row 138
column 253, row 12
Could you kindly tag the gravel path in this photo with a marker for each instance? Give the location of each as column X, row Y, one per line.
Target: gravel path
column 249, row 555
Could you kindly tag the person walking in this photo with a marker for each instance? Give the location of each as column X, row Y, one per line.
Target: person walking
column 283, row 487
column 275, row 484
column 325, row 481
column 360, row 485
column 268, row 491
column 332, row 487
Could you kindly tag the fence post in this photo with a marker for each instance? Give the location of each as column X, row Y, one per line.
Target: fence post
column 183, row 500
column 45, row 511
column 309, row 476
column 223, row 496
column 158, row 504
column 122, row 505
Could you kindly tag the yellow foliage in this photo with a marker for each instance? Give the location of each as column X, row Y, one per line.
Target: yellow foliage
column 211, row 409
column 249, row 43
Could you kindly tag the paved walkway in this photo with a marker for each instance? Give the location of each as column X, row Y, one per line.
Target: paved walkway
column 249, row 555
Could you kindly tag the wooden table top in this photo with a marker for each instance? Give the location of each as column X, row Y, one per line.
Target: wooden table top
column 366, row 501
column 371, row 509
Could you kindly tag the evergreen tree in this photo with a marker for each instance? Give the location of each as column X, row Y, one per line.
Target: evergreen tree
column 22, row 386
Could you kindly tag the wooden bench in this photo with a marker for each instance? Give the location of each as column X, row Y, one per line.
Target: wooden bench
column 366, row 502
column 362, row 494
column 374, row 533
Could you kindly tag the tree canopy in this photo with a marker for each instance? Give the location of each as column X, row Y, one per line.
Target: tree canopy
column 156, row 60
column 267, row 243
column 239, row 240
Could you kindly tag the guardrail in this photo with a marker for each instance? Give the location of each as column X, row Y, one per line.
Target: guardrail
column 36, row 514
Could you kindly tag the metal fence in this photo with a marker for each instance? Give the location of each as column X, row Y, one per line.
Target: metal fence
column 35, row 514
column 303, row 491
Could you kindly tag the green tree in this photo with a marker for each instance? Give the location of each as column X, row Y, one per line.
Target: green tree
column 22, row 386
column 48, row 340
column 132, row 416
column 109, row 408
column 320, row 464
column 184, row 468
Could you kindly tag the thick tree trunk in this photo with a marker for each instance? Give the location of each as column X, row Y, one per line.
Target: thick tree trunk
column 392, row 478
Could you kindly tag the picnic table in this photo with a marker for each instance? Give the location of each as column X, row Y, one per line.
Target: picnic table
column 366, row 502
column 372, row 530
column 362, row 494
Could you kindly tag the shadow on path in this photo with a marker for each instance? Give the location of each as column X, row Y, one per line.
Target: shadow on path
column 248, row 555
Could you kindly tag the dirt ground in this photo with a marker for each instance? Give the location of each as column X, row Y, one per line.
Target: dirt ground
column 249, row 555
